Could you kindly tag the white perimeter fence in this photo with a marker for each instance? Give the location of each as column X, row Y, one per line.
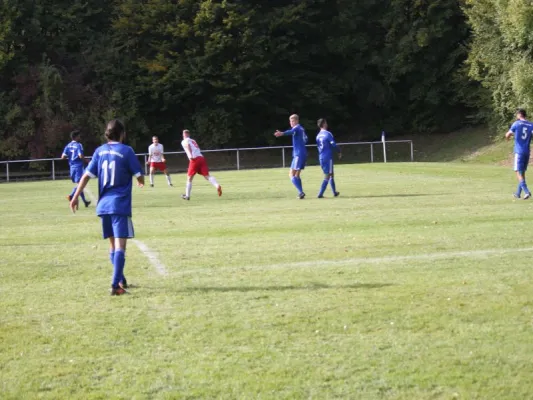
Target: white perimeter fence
column 223, row 159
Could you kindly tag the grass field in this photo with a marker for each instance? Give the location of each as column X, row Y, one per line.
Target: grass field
column 416, row 283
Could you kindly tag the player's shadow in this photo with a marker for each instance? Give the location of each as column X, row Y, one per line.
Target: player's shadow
column 281, row 288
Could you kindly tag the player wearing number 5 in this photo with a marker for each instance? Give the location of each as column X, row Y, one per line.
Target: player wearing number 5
column 114, row 164
column 521, row 130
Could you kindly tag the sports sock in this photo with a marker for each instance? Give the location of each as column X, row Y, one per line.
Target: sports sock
column 300, row 186
column 73, row 191
column 519, row 189
column 294, row 181
column 188, row 189
column 118, row 266
column 524, row 187
column 213, row 181
column 332, row 183
column 151, row 179
column 168, row 180
column 323, row 187
column 112, row 256
column 82, row 195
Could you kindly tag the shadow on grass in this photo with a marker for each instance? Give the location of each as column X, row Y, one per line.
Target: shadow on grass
column 312, row 286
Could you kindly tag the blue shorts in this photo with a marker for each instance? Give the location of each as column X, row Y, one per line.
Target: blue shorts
column 327, row 166
column 520, row 162
column 76, row 173
column 118, row 226
column 298, row 162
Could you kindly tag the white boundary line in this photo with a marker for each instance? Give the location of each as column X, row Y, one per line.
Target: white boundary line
column 369, row 260
column 151, row 255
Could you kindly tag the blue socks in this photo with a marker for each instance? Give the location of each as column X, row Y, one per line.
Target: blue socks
column 332, row 183
column 297, row 182
column 118, row 267
column 523, row 186
column 112, row 256
column 323, row 187
column 82, row 195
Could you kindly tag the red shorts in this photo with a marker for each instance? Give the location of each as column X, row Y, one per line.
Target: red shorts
column 161, row 166
column 198, row 166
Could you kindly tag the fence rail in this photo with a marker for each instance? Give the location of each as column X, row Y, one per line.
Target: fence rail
column 222, row 159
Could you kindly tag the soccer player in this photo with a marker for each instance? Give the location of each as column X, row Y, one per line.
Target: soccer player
column 73, row 152
column 156, row 160
column 326, row 144
column 521, row 129
column 114, row 164
column 197, row 165
column 299, row 152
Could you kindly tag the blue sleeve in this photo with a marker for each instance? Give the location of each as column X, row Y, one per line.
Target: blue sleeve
column 65, row 151
column 514, row 126
column 80, row 149
column 92, row 168
column 290, row 132
column 333, row 142
column 133, row 163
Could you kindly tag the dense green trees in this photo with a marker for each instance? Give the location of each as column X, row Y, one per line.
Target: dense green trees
column 232, row 71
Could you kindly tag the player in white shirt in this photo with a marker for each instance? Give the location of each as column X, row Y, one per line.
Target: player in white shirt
column 156, row 160
column 197, row 165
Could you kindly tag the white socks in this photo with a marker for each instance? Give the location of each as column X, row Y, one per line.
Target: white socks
column 213, row 181
column 188, row 188
column 168, row 180
column 151, row 179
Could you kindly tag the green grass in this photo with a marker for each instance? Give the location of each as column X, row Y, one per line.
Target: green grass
column 269, row 297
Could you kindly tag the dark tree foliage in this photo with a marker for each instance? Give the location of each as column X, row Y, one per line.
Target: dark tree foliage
column 231, row 71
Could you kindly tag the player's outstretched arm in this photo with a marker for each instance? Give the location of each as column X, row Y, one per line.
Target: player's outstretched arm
column 83, row 182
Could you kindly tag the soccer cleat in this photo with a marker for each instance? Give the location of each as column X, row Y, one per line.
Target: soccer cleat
column 337, row 194
column 527, row 196
column 219, row 190
column 301, row 195
column 69, row 197
column 117, row 291
column 516, row 196
column 184, row 197
column 320, row 197
column 151, row 185
column 123, row 283
column 87, row 204
column 170, row 184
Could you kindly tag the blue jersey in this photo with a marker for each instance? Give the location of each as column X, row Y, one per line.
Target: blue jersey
column 326, row 144
column 522, row 131
column 114, row 164
column 299, row 140
column 74, row 153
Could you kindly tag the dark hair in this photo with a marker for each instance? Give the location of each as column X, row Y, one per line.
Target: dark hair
column 320, row 123
column 74, row 134
column 521, row 112
column 114, row 131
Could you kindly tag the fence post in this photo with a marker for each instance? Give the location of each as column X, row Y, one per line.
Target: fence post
column 384, row 147
column 238, row 161
column 412, row 152
column 53, row 170
column 371, row 152
column 283, row 156
column 145, row 164
column 7, row 172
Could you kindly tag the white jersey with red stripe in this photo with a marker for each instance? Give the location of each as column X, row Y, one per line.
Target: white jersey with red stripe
column 155, row 152
column 191, row 148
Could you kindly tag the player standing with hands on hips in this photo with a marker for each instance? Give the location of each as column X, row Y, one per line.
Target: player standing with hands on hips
column 299, row 152
column 156, row 160
column 197, row 165
column 114, row 164
column 326, row 144
column 521, row 130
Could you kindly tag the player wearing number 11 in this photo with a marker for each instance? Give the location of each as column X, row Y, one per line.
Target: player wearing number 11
column 114, row 164
column 522, row 130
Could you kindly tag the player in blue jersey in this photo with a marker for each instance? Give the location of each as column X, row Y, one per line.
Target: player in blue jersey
column 326, row 145
column 299, row 152
column 522, row 130
column 73, row 152
column 114, row 164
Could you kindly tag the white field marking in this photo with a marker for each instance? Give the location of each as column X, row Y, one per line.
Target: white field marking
column 369, row 260
column 151, row 255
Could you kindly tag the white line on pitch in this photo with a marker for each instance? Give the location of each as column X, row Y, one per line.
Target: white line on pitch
column 369, row 260
column 150, row 254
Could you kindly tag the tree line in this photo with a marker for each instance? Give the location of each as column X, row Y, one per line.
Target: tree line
column 232, row 71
